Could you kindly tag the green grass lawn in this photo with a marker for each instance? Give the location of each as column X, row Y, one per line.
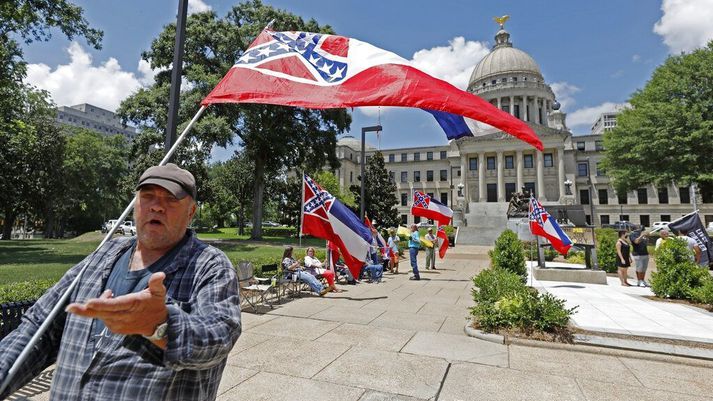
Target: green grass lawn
column 27, row 260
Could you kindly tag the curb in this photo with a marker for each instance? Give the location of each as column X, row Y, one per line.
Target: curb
column 611, row 346
column 493, row 338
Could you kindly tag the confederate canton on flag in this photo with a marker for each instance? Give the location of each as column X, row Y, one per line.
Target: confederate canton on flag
column 328, row 71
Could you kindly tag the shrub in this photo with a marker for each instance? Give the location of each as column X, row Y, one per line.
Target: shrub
column 677, row 274
column 704, row 293
column 504, row 302
column 530, row 248
column 509, row 254
column 606, row 249
column 550, row 254
column 575, row 257
column 24, row 290
column 492, row 284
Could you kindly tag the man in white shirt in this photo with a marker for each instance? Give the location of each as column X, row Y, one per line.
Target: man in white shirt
column 692, row 245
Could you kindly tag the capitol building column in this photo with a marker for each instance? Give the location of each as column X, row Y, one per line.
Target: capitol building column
column 540, row 190
column 523, row 112
column 560, row 172
column 518, row 160
column 512, row 105
column 501, row 178
column 463, row 176
column 481, row 177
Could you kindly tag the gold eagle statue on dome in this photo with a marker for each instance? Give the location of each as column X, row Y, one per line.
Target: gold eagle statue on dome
column 501, row 20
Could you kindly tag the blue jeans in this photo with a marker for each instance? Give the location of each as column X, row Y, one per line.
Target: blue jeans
column 310, row 280
column 375, row 272
column 413, row 253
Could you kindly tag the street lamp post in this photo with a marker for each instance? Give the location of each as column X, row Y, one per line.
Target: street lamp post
column 593, row 255
column 364, row 130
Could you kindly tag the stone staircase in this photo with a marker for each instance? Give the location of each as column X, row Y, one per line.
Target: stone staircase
column 486, row 221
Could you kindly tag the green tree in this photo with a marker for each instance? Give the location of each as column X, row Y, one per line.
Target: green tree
column 274, row 138
column 21, row 141
column 379, row 193
column 231, row 185
column 667, row 134
column 29, row 147
column 93, row 168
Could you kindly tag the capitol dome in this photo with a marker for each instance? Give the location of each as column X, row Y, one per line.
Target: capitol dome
column 504, row 59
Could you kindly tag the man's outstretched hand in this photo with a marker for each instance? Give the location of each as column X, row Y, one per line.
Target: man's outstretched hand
column 136, row 313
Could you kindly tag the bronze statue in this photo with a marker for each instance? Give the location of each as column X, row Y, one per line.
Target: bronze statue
column 519, row 204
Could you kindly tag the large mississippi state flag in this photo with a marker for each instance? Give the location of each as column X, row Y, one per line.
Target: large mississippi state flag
column 425, row 206
column 542, row 224
column 327, row 218
column 327, row 71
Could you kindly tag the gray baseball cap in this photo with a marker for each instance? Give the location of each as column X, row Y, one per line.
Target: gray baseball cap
column 174, row 179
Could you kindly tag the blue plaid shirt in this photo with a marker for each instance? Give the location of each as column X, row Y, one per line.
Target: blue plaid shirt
column 203, row 325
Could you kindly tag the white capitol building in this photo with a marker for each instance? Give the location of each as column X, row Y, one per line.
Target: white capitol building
column 489, row 167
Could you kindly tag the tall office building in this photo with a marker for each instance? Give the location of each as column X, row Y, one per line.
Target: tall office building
column 94, row 118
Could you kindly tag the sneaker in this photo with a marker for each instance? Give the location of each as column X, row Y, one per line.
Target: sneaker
column 324, row 291
column 414, row 278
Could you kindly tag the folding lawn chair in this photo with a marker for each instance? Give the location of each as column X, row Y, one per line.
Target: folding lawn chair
column 251, row 292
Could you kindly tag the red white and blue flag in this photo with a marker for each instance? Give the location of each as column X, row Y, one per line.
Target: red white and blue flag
column 327, row 71
column 542, row 224
column 426, row 206
column 327, row 218
column 444, row 241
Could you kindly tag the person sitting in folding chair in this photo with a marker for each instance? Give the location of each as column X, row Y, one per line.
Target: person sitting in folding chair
column 291, row 267
column 317, row 269
column 373, row 267
column 337, row 264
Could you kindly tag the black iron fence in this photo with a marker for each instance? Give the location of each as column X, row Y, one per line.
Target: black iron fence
column 10, row 314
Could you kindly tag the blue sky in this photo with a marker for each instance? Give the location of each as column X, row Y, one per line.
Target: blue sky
column 594, row 54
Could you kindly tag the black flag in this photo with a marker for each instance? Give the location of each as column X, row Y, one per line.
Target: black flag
column 691, row 223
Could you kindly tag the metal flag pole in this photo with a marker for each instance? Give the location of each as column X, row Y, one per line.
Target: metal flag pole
column 59, row 306
column 302, row 205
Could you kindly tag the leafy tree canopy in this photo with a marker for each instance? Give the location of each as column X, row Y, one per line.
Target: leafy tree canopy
column 667, row 134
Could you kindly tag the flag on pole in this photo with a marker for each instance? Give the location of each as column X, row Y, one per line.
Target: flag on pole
column 426, row 206
column 322, row 71
column 327, row 218
column 692, row 225
column 542, row 224
column 444, row 241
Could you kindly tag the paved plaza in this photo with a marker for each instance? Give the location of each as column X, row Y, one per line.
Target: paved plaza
column 613, row 308
column 404, row 340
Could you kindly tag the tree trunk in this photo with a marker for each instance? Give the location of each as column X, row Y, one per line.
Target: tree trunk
column 258, row 194
column 49, row 224
column 241, row 219
column 7, row 226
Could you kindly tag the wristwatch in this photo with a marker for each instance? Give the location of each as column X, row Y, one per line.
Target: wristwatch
column 160, row 332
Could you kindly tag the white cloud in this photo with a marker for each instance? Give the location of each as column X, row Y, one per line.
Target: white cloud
column 452, row 63
column 635, row 58
column 685, row 24
column 197, row 6
column 80, row 81
column 564, row 93
column 585, row 117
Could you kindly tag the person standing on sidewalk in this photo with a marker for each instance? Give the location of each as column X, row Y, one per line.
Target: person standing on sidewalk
column 413, row 244
column 623, row 261
column 430, row 252
column 640, row 253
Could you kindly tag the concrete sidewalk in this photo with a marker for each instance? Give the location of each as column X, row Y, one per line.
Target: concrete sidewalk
column 613, row 308
column 404, row 340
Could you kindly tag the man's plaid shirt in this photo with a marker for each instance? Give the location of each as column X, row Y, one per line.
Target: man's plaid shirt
column 203, row 325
